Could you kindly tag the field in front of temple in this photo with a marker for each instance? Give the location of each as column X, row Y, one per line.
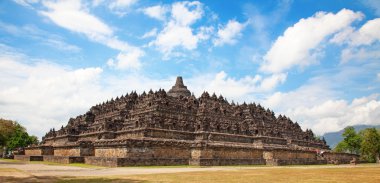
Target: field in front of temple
column 15, row 171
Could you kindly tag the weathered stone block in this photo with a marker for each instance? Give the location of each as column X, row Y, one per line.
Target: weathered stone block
column 28, row 158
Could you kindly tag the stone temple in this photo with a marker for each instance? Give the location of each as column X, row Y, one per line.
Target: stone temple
column 176, row 128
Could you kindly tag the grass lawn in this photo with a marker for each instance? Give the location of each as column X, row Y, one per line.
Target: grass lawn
column 262, row 174
column 365, row 174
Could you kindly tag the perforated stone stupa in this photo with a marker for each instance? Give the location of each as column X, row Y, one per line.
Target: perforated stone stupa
column 177, row 128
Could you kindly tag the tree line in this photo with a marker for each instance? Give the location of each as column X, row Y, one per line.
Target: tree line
column 365, row 143
column 13, row 135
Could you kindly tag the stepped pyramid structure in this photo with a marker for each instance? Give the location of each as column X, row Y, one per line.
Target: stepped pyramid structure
column 176, row 128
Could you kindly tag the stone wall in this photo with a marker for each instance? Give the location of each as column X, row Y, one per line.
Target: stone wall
column 28, row 158
column 136, row 133
column 87, row 150
column 117, row 162
column 291, row 154
column 243, row 153
column 201, row 155
column 171, row 152
column 67, row 151
column 38, row 151
column 291, row 157
column 168, row 134
column 88, row 137
column 64, row 159
column 116, row 152
column 209, row 155
column 339, row 158
column 33, row 152
column 142, row 152
column 22, row 157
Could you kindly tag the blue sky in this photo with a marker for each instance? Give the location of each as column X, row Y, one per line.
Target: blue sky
column 314, row 61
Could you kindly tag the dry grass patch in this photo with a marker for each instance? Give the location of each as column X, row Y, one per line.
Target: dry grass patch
column 314, row 175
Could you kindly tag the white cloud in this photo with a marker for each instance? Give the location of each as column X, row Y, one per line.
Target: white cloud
column 177, row 32
column 318, row 105
column 186, row 13
column 205, row 33
column 26, row 3
column 128, row 60
column 358, row 54
column 298, row 46
column 360, row 44
column 221, row 83
column 367, row 34
column 229, row 33
column 272, row 81
column 158, row 12
column 119, row 7
column 116, row 4
column 44, row 95
column 61, row 45
column 363, row 110
column 41, row 36
column 342, row 36
column 72, row 15
column 151, row 33
column 238, row 89
column 173, row 36
column 307, row 95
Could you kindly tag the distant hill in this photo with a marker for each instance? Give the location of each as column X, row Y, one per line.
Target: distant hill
column 333, row 138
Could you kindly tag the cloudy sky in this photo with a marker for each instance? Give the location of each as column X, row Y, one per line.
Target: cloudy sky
column 317, row 62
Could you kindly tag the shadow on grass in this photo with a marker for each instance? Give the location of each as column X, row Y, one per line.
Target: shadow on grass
column 12, row 179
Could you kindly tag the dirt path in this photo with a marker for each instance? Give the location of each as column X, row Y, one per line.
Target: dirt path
column 39, row 170
column 36, row 169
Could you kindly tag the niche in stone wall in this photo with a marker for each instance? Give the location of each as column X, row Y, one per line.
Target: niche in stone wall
column 137, row 124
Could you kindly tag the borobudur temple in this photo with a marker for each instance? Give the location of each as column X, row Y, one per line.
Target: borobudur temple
column 177, row 128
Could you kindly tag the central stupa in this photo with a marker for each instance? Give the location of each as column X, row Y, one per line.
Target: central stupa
column 179, row 89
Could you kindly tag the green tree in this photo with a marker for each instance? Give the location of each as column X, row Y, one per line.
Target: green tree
column 341, row 147
column 33, row 139
column 370, row 145
column 7, row 127
column 13, row 135
column 19, row 138
column 352, row 140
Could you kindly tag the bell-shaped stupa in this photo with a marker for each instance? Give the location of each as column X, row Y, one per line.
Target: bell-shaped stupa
column 179, row 89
